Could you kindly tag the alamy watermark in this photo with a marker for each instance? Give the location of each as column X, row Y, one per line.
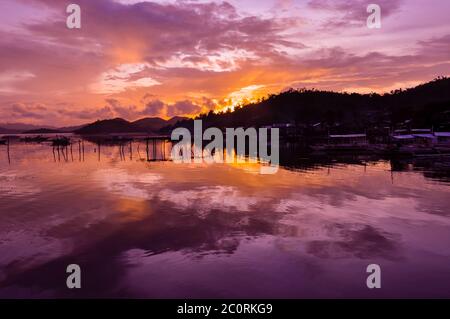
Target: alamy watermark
column 74, row 279
column 374, row 19
column 374, row 279
column 73, row 21
column 237, row 149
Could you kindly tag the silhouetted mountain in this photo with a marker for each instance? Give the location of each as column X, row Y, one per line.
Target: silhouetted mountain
column 8, row 131
column 43, row 131
column 21, row 127
column 423, row 106
column 149, row 124
column 118, row 125
column 174, row 120
column 69, row 129
column 17, row 128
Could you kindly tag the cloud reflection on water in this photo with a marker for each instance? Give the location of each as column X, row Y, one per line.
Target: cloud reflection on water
column 161, row 229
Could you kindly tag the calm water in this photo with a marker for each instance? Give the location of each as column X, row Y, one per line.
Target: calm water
column 159, row 229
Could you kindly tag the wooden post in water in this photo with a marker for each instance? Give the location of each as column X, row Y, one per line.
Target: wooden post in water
column 7, row 150
column 79, row 150
column 164, row 150
column 63, row 151
column 131, row 150
column 147, row 149
column 154, row 149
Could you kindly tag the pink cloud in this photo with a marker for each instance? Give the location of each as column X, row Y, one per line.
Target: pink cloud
column 184, row 56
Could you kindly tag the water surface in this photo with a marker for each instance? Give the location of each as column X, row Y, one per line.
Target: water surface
column 158, row 229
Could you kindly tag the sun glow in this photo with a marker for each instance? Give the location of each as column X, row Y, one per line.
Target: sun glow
column 246, row 95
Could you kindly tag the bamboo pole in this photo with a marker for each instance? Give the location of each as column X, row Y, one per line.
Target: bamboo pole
column 7, row 151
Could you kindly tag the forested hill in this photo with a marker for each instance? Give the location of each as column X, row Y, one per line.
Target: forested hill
column 422, row 106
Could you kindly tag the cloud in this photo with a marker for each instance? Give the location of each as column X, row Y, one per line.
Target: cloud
column 88, row 113
column 28, row 110
column 184, row 108
column 123, row 77
column 351, row 12
column 155, row 107
column 191, row 56
column 8, row 80
column 128, row 112
column 224, row 60
column 179, row 108
column 158, row 33
column 364, row 242
column 438, row 47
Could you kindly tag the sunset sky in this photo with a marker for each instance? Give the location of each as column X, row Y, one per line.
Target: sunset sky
column 137, row 58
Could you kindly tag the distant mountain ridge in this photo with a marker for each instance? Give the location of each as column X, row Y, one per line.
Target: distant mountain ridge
column 16, row 128
column 10, row 128
column 108, row 126
column 23, row 126
column 8, row 131
column 147, row 125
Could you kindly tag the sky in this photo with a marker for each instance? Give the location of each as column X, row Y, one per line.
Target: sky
column 139, row 58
